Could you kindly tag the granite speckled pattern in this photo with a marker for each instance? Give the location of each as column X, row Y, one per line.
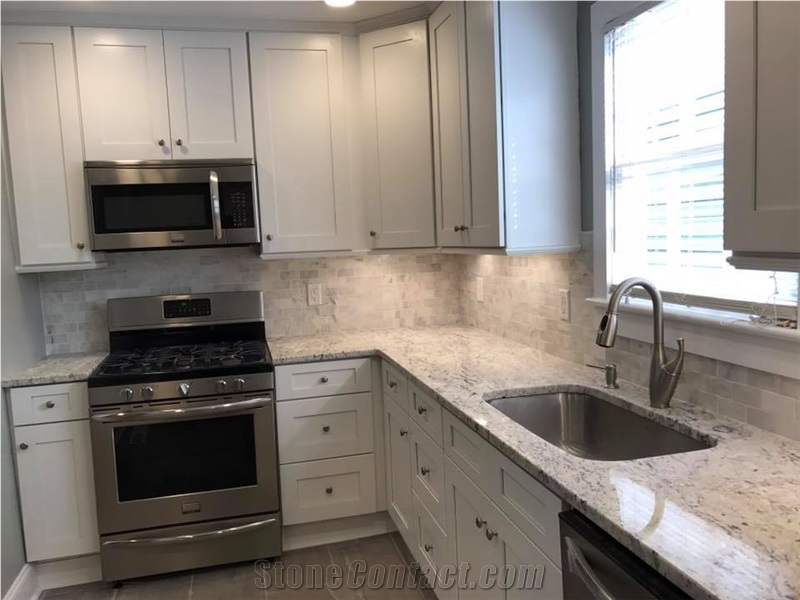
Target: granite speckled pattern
column 61, row 368
column 720, row 523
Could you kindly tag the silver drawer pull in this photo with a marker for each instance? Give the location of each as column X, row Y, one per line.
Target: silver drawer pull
column 392, row 384
column 422, row 410
column 403, row 432
column 580, row 567
column 428, row 547
column 326, row 428
column 479, row 522
column 323, row 379
column 195, row 537
column 50, row 404
column 23, row 446
column 424, row 471
column 329, row 490
column 491, row 534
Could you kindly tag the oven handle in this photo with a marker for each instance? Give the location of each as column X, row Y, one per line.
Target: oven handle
column 168, row 414
column 213, row 182
column 195, row 537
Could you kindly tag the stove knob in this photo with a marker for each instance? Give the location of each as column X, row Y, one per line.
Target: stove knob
column 221, row 386
column 147, row 393
column 238, row 384
column 126, row 394
column 183, row 389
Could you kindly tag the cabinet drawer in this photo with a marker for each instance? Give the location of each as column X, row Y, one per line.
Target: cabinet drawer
column 328, row 489
column 431, row 541
column 49, row 403
column 322, row 379
column 467, row 449
column 527, row 503
column 427, row 472
column 426, row 412
column 395, row 385
column 325, row 427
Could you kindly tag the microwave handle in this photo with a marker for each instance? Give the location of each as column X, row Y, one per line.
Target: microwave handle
column 213, row 182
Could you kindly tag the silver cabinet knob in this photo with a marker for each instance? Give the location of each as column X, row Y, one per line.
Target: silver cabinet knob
column 323, row 379
column 421, row 410
column 50, row 404
column 126, row 394
column 162, row 142
column 457, row 228
column 428, row 547
column 80, row 245
column 373, row 233
column 269, row 237
column 238, row 384
column 491, row 534
column 479, row 522
column 222, row 385
column 179, row 142
column 23, row 446
column 183, row 389
column 326, row 428
column 424, row 471
column 329, row 490
column 392, row 385
column 403, row 432
column 147, row 392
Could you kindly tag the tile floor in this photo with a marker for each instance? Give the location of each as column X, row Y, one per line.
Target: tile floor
column 239, row 582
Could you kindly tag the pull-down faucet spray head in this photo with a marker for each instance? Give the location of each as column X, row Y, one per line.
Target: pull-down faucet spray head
column 607, row 332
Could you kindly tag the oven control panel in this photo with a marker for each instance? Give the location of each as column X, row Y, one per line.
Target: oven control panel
column 180, row 309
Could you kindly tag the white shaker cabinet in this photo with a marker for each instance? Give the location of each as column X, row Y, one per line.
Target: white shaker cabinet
column 209, row 94
column 398, row 161
column 508, row 177
column 762, row 134
column 301, row 141
column 123, row 92
column 397, row 430
column 45, row 151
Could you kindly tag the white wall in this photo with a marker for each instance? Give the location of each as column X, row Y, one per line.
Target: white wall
column 22, row 343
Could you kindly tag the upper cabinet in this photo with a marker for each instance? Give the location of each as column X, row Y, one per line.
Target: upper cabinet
column 762, row 135
column 299, row 115
column 398, row 161
column 505, row 116
column 150, row 95
column 45, row 157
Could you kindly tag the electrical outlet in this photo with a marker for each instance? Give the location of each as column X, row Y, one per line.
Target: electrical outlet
column 314, row 294
column 479, row 289
column 564, row 296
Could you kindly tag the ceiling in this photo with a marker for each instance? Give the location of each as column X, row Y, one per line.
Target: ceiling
column 295, row 10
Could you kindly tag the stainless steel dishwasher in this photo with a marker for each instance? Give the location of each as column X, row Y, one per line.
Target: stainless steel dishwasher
column 597, row 567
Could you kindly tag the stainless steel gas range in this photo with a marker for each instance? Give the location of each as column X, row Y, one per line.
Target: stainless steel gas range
column 183, row 435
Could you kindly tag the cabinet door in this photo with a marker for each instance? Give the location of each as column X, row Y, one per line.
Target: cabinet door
column 56, row 489
column 450, row 122
column 398, row 154
column 209, row 94
column 46, row 153
column 762, row 127
column 398, row 469
column 123, row 94
column 485, row 204
column 301, row 142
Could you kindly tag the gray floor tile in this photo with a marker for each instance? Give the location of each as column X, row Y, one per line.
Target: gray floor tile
column 92, row 591
column 162, row 587
column 239, row 582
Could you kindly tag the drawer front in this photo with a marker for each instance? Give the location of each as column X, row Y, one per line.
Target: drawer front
column 431, row 547
column 467, row 449
column 395, row 385
column 427, row 472
column 328, row 489
column 527, row 503
column 426, row 411
column 326, row 427
column 311, row 380
column 49, row 403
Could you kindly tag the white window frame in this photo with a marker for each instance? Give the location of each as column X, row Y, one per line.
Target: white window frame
column 714, row 333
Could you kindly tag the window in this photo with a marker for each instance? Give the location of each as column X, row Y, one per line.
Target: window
column 664, row 77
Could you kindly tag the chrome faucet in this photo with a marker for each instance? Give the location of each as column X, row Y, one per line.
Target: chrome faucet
column 664, row 374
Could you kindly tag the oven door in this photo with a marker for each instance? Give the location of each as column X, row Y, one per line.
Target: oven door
column 180, row 462
column 171, row 206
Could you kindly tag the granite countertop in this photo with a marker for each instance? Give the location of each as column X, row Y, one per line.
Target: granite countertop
column 59, row 368
column 720, row 523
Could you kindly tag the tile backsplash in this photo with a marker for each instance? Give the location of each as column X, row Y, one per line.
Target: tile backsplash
column 359, row 292
column 520, row 301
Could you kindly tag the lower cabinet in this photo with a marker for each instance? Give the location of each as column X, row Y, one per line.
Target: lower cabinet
column 56, row 488
column 398, row 469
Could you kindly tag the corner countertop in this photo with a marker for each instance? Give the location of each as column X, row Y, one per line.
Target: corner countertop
column 721, row 523
column 59, row 368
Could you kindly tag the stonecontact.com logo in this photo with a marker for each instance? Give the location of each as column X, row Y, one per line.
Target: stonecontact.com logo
column 358, row 575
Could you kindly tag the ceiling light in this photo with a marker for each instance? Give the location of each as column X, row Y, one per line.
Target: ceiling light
column 340, row 3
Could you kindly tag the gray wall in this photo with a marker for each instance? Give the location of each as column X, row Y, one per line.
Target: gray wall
column 22, row 343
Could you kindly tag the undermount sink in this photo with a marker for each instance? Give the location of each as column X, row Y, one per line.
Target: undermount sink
column 590, row 427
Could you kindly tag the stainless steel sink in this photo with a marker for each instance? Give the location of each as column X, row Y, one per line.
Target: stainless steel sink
column 590, row 427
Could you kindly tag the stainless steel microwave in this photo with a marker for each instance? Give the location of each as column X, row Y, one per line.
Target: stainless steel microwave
column 135, row 205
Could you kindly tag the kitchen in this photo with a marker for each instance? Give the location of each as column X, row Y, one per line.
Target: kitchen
column 326, row 308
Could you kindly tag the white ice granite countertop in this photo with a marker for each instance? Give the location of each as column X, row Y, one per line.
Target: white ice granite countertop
column 59, row 368
column 719, row 523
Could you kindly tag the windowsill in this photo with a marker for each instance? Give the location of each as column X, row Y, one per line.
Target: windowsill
column 716, row 334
